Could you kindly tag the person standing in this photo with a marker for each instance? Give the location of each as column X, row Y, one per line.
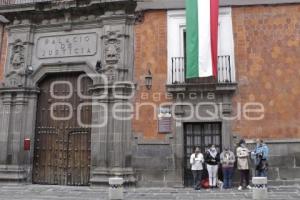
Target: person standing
column 227, row 160
column 260, row 156
column 196, row 162
column 243, row 153
column 212, row 159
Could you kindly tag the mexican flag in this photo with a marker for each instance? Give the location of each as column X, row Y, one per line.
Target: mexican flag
column 201, row 38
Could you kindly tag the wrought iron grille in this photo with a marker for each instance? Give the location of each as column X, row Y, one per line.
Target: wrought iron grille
column 225, row 73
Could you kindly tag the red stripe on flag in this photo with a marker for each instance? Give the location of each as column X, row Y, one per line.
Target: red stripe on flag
column 214, row 15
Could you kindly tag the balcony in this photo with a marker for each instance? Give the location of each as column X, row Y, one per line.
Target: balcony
column 225, row 78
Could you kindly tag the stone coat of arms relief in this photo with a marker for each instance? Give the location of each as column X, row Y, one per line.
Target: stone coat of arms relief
column 112, row 52
column 16, row 69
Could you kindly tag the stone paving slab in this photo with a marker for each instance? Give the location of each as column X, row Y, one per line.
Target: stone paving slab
column 45, row 192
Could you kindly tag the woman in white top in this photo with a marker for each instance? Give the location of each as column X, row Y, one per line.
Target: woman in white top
column 197, row 161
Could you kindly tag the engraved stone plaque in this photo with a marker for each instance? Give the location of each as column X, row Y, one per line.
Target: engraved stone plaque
column 84, row 44
column 165, row 125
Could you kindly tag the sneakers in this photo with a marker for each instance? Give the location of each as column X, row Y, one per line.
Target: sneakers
column 248, row 187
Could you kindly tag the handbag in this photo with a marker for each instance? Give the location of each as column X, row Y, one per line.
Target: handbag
column 205, row 183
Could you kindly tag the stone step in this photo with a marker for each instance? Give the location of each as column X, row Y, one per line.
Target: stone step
column 12, row 173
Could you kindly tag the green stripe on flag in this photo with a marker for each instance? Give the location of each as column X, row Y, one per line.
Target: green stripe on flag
column 191, row 39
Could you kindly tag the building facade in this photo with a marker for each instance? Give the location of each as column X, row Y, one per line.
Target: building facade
column 57, row 62
column 98, row 87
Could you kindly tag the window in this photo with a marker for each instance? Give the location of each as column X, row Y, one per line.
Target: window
column 176, row 46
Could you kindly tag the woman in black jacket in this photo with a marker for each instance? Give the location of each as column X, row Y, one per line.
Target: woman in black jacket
column 212, row 159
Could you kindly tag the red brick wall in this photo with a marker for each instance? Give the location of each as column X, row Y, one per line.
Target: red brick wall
column 3, row 47
column 150, row 53
column 267, row 53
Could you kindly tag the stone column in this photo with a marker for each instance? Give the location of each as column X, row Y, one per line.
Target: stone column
column 111, row 144
column 226, row 119
column 113, row 156
column 19, row 118
column 5, row 104
column 18, row 99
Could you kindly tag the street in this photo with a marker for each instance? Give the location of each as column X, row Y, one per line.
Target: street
column 41, row 192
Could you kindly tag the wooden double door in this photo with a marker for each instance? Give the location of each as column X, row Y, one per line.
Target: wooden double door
column 62, row 144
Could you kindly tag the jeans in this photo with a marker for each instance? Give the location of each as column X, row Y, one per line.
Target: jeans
column 245, row 176
column 212, row 175
column 262, row 169
column 197, row 174
column 262, row 173
column 227, row 176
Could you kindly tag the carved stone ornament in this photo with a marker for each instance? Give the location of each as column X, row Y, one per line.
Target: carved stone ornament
column 14, row 81
column 16, row 70
column 112, row 48
column 17, row 57
column 111, row 74
column 139, row 17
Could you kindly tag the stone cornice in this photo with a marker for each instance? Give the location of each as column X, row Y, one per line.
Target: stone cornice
column 56, row 5
column 19, row 90
column 180, row 4
column 59, row 24
column 66, row 10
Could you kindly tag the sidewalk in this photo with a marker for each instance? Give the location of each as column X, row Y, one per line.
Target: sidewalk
column 41, row 192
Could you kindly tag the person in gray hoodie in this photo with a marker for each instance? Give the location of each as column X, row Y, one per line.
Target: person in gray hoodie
column 227, row 159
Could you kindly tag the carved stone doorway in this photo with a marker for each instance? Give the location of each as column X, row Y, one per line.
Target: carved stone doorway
column 62, row 146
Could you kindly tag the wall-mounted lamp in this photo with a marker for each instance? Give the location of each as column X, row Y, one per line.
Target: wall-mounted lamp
column 148, row 80
column 29, row 70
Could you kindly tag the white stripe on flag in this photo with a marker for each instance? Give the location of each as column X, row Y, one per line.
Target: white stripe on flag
column 204, row 39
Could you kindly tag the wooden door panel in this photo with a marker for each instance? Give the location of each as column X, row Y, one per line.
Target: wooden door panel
column 78, row 156
column 62, row 147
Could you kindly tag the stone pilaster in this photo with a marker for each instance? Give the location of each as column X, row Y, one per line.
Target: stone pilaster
column 18, row 101
column 17, row 118
column 113, row 156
